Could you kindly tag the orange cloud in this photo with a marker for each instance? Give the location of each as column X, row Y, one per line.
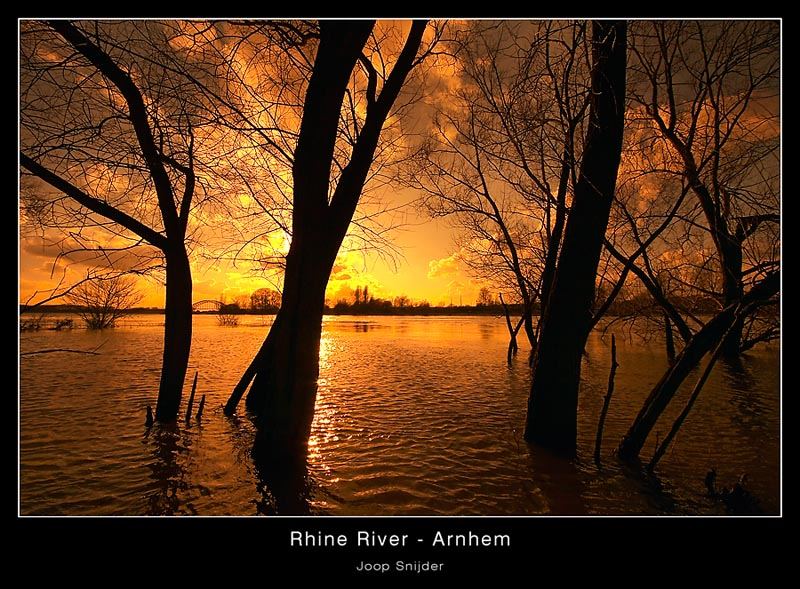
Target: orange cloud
column 444, row 267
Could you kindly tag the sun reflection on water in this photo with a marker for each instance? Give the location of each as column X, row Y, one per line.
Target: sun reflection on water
column 323, row 430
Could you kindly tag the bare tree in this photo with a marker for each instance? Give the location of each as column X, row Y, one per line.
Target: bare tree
column 553, row 402
column 705, row 113
column 401, row 301
column 227, row 319
column 109, row 152
column 501, row 159
column 703, row 127
column 265, row 299
column 640, row 254
column 103, row 301
column 672, row 267
column 704, row 341
column 285, row 370
column 253, row 75
column 485, row 298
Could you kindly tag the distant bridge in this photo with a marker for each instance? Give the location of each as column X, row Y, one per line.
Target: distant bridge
column 207, row 306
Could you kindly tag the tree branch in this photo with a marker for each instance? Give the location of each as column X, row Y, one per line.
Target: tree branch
column 137, row 113
column 94, row 204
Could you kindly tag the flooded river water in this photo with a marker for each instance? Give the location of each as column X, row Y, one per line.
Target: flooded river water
column 415, row 416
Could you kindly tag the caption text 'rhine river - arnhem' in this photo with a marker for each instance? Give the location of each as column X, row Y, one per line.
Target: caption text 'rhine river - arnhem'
column 371, row 539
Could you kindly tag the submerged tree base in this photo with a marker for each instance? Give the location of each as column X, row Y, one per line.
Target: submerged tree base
column 282, row 476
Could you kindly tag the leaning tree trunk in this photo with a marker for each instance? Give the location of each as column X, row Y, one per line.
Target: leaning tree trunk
column 703, row 342
column 285, row 370
column 177, row 335
column 553, row 402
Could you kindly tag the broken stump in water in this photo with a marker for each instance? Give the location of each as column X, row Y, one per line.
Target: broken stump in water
column 737, row 499
column 711, row 482
column 606, row 401
column 200, row 408
column 148, row 421
column 191, row 398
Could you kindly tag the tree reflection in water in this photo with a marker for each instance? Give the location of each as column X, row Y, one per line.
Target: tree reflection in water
column 168, row 444
column 283, row 483
column 744, row 396
column 282, row 479
column 573, row 485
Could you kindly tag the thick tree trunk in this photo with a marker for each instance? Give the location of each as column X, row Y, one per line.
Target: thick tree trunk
column 732, row 289
column 553, row 402
column 703, row 342
column 285, row 384
column 285, row 370
column 177, row 335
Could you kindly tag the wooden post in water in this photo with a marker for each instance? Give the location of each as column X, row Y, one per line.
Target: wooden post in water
column 670, row 342
column 148, row 420
column 191, row 398
column 200, row 408
column 606, row 402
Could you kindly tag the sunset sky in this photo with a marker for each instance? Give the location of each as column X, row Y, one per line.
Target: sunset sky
column 423, row 266
column 424, row 263
column 428, row 269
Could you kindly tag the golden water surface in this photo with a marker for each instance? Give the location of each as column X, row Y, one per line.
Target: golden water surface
column 415, row 415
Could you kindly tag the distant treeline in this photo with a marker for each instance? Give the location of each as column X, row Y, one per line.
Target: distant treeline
column 64, row 309
column 637, row 305
column 383, row 307
column 340, row 308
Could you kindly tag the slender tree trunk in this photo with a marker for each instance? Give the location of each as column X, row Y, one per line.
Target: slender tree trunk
column 598, row 442
column 512, row 332
column 655, row 291
column 669, row 339
column 177, row 335
column 662, row 448
column 728, row 245
column 558, row 228
column 528, row 323
column 703, row 342
column 553, row 402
